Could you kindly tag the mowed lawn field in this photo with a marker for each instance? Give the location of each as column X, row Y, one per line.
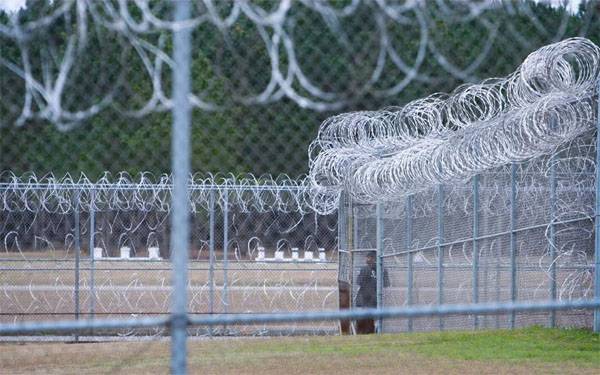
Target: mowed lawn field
column 522, row 351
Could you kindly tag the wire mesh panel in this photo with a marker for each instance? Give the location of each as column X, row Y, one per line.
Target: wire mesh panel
column 261, row 84
column 74, row 250
column 522, row 232
column 479, row 213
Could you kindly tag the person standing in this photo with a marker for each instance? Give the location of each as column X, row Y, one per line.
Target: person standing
column 367, row 292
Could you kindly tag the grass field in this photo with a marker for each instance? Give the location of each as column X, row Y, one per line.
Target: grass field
column 522, row 351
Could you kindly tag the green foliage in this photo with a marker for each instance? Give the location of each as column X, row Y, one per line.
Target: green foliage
column 228, row 67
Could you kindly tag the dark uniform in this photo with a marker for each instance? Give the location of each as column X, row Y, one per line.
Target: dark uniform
column 367, row 294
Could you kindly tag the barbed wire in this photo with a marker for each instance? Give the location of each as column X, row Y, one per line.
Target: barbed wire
column 543, row 109
column 383, row 155
column 140, row 32
column 145, row 193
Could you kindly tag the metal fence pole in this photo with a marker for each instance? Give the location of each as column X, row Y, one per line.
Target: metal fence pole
column 225, row 252
column 379, row 265
column 354, row 244
column 513, row 239
column 77, row 233
column 354, row 223
column 351, row 224
column 410, row 271
column 498, row 279
column 211, row 255
column 341, row 229
column 597, row 218
column 552, row 243
column 475, row 253
column 92, row 257
column 344, row 262
column 180, row 151
column 440, row 230
column 486, row 276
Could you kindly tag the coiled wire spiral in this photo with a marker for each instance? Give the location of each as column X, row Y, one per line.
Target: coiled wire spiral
column 383, row 155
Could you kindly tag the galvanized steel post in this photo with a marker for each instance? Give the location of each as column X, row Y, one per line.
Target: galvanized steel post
column 77, row 234
column 475, row 245
column 344, row 262
column 597, row 217
column 552, row 239
column 378, row 264
column 225, row 251
column 343, row 218
column 341, row 229
column 410, row 271
column 92, row 255
column 180, row 151
column 211, row 255
column 440, row 241
column 513, row 239
column 354, row 223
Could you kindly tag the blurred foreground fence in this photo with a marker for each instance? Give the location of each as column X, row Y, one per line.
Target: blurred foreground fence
column 241, row 87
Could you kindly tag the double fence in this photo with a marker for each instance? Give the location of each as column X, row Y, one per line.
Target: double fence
column 522, row 233
column 89, row 251
column 68, row 85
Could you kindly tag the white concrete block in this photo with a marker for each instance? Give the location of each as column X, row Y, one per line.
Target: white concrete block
column 261, row 253
column 97, row 252
column 154, row 252
column 322, row 256
column 125, row 252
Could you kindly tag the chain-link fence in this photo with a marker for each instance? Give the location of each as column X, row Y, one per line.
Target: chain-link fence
column 86, row 250
column 523, row 232
column 114, row 114
column 264, row 74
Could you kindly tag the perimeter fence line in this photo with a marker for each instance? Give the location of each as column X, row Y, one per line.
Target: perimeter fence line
column 238, row 232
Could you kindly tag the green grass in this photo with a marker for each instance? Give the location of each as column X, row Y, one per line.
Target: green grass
column 535, row 343
column 528, row 344
column 521, row 351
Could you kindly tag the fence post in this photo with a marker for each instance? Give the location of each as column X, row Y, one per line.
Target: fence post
column 440, row 230
column 597, row 218
column 552, row 243
column 475, row 252
column 77, row 233
column 225, row 251
column 378, row 264
column 92, row 258
column 513, row 239
column 498, row 277
column 354, row 223
column 180, row 151
column 354, row 244
column 341, row 229
column 410, row 271
column 211, row 256
column 344, row 261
